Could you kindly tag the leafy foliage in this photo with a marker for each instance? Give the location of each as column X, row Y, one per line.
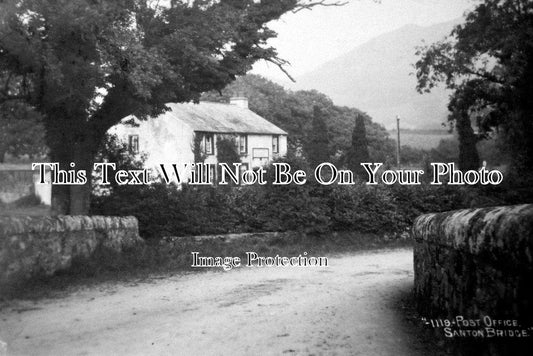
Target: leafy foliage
column 84, row 65
column 199, row 155
column 358, row 152
column 311, row 208
column 21, row 131
column 165, row 210
column 318, row 143
column 115, row 151
column 293, row 112
column 488, row 63
column 227, row 150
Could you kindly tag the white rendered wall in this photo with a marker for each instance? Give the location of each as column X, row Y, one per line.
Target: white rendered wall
column 167, row 140
column 164, row 140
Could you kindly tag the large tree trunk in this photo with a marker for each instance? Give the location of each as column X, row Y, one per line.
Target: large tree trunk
column 60, row 193
column 80, row 199
column 69, row 144
column 80, row 195
column 60, row 199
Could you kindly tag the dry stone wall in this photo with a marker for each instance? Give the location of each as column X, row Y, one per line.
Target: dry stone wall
column 475, row 263
column 32, row 246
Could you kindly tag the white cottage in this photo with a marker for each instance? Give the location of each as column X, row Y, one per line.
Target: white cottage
column 170, row 137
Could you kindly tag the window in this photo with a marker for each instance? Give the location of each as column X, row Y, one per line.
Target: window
column 208, row 144
column 243, row 144
column 133, row 143
column 275, row 144
column 259, row 157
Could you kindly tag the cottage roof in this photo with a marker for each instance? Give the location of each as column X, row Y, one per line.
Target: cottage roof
column 222, row 118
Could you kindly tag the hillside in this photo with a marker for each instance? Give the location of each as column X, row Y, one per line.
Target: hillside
column 376, row 77
column 293, row 112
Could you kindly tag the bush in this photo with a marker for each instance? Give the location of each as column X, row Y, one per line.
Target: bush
column 311, row 208
column 166, row 211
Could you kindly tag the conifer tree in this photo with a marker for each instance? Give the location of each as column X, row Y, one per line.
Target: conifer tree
column 358, row 152
column 318, row 143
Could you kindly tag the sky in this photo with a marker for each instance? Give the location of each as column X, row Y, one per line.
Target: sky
column 308, row 39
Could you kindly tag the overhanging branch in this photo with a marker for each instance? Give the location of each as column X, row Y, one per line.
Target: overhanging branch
column 310, row 4
column 280, row 63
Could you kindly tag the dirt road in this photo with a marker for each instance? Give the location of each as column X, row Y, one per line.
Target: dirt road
column 344, row 309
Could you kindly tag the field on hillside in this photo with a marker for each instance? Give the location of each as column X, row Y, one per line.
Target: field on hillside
column 421, row 139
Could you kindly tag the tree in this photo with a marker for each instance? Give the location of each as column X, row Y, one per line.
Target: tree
column 21, row 131
column 318, row 141
column 293, row 112
column 84, row 65
column 115, row 151
column 358, row 152
column 488, row 63
column 460, row 106
column 227, row 152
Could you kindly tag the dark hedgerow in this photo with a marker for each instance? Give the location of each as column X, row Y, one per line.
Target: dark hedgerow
column 311, row 208
column 164, row 210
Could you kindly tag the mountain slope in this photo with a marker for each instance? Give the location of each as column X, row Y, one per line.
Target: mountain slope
column 376, row 77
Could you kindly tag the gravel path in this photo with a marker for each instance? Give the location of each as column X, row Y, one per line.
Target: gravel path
column 344, row 309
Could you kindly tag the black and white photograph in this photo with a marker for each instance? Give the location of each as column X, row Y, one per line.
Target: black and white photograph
column 266, row 177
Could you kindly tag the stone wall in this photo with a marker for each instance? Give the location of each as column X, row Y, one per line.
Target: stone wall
column 475, row 263
column 32, row 246
column 230, row 238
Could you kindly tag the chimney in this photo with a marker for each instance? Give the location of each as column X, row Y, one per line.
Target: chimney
column 240, row 101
